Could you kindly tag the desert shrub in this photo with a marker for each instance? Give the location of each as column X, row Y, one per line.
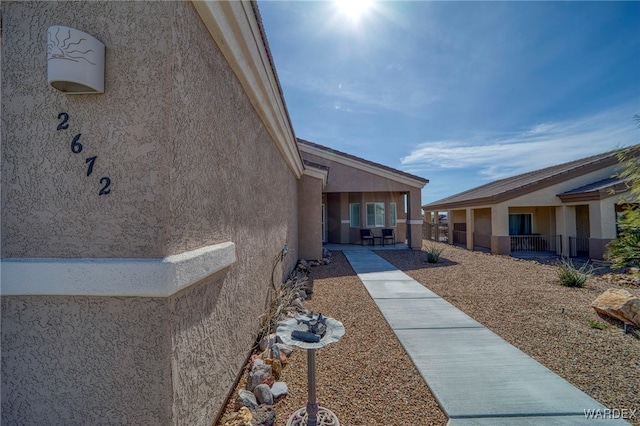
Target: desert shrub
column 433, row 253
column 570, row 276
column 598, row 324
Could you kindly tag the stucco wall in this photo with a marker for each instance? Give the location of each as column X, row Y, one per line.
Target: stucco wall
column 191, row 164
column 85, row 360
column 310, row 217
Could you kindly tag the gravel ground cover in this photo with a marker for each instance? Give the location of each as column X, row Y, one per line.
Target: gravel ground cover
column 523, row 302
column 367, row 379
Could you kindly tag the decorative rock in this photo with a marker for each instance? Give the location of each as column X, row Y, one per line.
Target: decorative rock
column 298, row 304
column 245, row 399
column 267, row 341
column 279, row 389
column 276, row 366
column 275, row 352
column 260, row 373
column 264, row 415
column 263, row 394
column 242, row 417
column 620, row 304
column 302, row 294
column 269, row 380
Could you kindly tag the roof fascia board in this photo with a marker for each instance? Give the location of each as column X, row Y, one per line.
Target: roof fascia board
column 361, row 166
column 526, row 189
column 317, row 173
column 235, row 29
column 597, row 194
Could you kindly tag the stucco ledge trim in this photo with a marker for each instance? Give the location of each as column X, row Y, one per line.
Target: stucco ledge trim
column 160, row 277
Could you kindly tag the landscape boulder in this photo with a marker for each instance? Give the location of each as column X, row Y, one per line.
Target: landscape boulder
column 621, row 304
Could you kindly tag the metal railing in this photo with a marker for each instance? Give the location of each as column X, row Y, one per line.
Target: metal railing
column 578, row 247
column 436, row 232
column 536, row 243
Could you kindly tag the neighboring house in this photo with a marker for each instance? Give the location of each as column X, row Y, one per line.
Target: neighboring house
column 142, row 227
column 570, row 209
column 363, row 194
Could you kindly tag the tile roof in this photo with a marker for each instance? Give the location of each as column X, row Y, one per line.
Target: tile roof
column 514, row 186
column 362, row 160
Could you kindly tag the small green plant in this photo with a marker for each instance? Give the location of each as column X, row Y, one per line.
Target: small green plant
column 433, row 253
column 637, row 334
column 570, row 276
column 598, row 324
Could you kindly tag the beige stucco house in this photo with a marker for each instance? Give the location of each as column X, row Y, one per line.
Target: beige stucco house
column 360, row 194
column 570, row 209
column 140, row 230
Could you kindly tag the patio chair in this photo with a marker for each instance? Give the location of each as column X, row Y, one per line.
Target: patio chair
column 388, row 234
column 366, row 234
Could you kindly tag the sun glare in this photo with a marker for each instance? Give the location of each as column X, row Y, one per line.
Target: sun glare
column 353, row 9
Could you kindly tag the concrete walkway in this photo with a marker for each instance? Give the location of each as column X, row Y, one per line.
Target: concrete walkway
column 476, row 376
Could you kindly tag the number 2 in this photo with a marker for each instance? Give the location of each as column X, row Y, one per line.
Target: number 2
column 63, row 124
column 107, row 183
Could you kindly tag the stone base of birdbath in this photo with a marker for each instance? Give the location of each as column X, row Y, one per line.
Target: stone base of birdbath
column 325, row 418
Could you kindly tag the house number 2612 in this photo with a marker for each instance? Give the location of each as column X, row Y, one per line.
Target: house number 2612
column 76, row 148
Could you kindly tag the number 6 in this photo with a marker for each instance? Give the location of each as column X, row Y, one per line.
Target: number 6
column 76, row 147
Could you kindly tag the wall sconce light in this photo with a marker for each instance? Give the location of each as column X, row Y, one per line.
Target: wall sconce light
column 75, row 61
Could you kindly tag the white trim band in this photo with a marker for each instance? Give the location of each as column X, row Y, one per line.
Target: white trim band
column 415, row 222
column 114, row 277
column 401, row 220
column 345, row 221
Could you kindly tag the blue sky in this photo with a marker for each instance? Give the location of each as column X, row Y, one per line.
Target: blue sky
column 460, row 93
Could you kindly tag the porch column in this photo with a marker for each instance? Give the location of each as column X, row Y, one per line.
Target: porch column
column 500, row 241
column 344, row 218
column 414, row 220
column 470, row 219
column 566, row 226
column 450, row 226
column 602, row 227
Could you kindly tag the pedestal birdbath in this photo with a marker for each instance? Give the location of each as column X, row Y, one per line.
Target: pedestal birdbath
column 311, row 332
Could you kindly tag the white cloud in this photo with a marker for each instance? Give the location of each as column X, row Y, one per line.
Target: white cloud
column 542, row 145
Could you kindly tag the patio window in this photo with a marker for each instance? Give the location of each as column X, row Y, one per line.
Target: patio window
column 393, row 214
column 354, row 215
column 375, row 215
column 520, row 224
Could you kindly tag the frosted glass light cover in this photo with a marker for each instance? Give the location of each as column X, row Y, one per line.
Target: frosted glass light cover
column 75, row 61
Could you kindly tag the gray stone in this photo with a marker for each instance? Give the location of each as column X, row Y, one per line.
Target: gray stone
column 245, row 399
column 264, row 415
column 259, row 374
column 263, row 394
column 275, row 352
column 267, row 341
column 298, row 304
column 279, row 389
